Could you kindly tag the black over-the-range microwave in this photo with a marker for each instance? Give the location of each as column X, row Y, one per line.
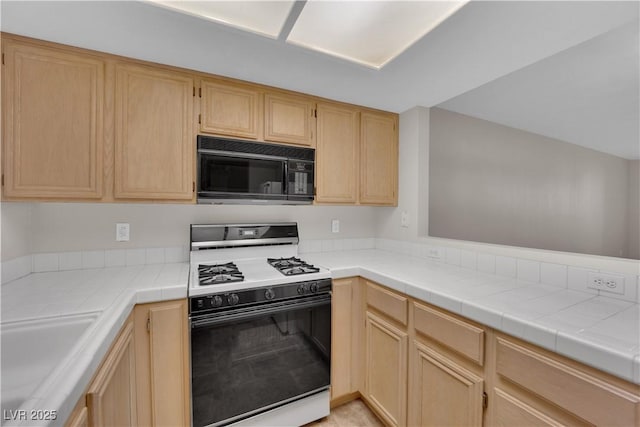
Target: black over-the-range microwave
column 243, row 172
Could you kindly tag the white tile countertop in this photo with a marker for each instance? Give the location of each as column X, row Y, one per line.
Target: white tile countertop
column 109, row 294
column 597, row 330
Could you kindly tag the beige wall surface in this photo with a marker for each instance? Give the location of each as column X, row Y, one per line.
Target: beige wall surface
column 495, row 184
column 16, row 230
column 59, row 227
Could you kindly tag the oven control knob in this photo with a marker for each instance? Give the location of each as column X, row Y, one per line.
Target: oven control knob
column 269, row 294
column 216, row 301
column 233, row 299
column 313, row 287
column 301, row 289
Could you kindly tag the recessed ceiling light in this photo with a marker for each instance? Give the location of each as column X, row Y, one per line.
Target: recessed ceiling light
column 262, row 17
column 371, row 33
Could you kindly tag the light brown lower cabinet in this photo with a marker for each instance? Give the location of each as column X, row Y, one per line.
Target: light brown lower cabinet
column 442, row 393
column 111, row 397
column 510, row 411
column 341, row 338
column 162, row 363
column 424, row 366
column 79, row 418
column 144, row 378
column 386, row 369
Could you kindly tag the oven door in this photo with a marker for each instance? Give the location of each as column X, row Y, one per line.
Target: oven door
column 226, row 177
column 250, row 360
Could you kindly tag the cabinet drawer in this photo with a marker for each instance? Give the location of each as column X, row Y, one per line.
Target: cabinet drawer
column 388, row 302
column 460, row 336
column 584, row 395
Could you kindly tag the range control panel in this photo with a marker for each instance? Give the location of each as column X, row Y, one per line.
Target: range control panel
column 263, row 295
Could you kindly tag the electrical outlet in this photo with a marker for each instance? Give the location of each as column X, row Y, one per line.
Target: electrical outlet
column 606, row 282
column 434, row 253
column 404, row 219
column 122, row 232
column 335, row 225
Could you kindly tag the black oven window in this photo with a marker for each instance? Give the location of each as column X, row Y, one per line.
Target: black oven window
column 255, row 363
column 237, row 175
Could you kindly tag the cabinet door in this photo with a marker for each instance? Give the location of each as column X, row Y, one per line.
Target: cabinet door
column 111, row 399
column 154, row 140
column 442, row 392
column 378, row 159
column 162, row 363
column 341, row 338
column 230, row 109
column 289, row 119
column 510, row 411
column 79, row 419
column 336, row 154
column 53, row 115
column 386, row 369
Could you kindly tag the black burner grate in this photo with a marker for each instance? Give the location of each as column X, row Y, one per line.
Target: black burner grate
column 292, row 266
column 213, row 274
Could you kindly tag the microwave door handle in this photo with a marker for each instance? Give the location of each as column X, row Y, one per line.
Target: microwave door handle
column 285, row 181
column 241, row 155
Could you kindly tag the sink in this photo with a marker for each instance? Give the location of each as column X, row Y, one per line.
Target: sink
column 31, row 351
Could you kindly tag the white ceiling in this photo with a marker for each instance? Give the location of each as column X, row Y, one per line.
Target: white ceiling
column 480, row 43
column 587, row 95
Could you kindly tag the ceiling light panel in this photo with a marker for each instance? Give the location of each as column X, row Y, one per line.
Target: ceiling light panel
column 371, row 33
column 262, row 17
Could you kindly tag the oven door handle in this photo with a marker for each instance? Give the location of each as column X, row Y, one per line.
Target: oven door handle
column 248, row 313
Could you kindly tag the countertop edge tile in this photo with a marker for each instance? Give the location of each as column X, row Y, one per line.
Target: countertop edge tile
column 605, row 359
column 65, row 385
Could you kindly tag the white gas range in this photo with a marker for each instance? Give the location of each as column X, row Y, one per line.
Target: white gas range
column 260, row 322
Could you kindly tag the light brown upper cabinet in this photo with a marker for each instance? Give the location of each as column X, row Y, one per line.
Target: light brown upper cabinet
column 337, row 154
column 53, row 122
column 378, row 158
column 230, row 109
column 289, row 119
column 154, row 142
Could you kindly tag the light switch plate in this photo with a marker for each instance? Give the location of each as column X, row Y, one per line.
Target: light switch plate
column 335, row 225
column 122, row 232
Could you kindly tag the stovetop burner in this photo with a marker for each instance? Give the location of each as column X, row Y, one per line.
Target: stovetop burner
column 292, row 266
column 212, row 274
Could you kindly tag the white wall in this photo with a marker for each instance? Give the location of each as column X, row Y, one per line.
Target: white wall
column 413, row 182
column 633, row 213
column 58, row 227
column 16, row 233
column 497, row 184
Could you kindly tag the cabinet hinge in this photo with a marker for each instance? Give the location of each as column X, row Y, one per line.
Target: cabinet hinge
column 148, row 324
column 3, row 59
column 2, row 179
column 314, row 191
column 485, row 400
column 200, row 92
column 193, row 186
column 315, row 113
column 199, row 118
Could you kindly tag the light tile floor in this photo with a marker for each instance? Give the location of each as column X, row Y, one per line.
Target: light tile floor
column 352, row 414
